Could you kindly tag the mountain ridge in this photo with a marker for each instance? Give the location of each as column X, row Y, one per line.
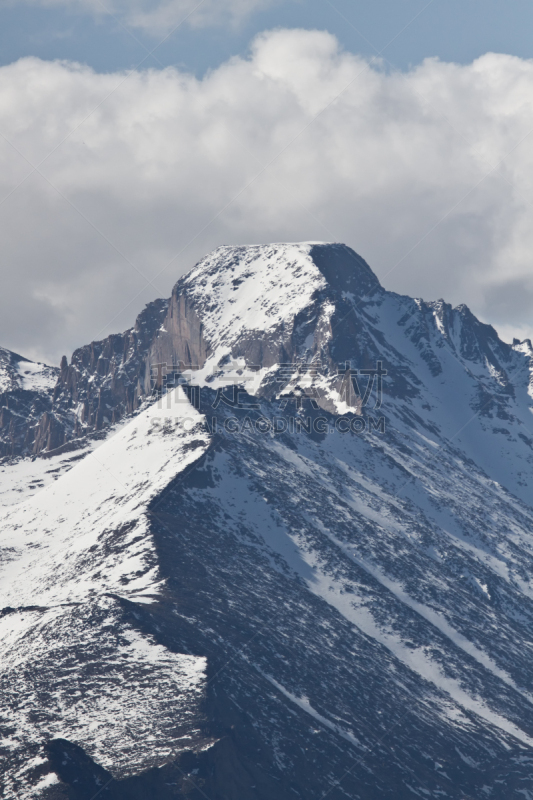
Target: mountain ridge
column 330, row 608
column 108, row 380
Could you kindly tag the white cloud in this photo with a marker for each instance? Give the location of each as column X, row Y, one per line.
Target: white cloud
column 432, row 169
column 161, row 17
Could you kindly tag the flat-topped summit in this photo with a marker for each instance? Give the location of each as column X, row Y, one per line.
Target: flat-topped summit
column 256, row 301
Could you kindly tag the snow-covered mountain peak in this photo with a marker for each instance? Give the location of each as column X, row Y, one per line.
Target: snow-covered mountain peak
column 259, row 287
column 266, row 304
column 17, row 372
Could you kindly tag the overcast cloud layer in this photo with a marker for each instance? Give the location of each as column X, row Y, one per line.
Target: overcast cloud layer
column 428, row 175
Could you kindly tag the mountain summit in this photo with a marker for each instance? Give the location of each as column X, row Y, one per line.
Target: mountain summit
column 258, row 302
column 277, row 544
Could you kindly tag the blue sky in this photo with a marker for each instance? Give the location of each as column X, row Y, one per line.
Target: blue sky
column 272, row 121
column 452, row 30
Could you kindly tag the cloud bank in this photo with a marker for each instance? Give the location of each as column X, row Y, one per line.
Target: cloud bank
column 427, row 174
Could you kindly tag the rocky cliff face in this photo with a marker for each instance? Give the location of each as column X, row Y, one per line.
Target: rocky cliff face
column 294, row 574
column 26, row 398
column 104, row 382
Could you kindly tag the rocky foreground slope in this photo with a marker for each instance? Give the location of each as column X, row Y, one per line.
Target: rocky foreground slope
column 283, row 547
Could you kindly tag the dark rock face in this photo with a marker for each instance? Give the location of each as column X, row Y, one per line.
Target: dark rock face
column 345, row 271
column 181, row 339
column 104, row 382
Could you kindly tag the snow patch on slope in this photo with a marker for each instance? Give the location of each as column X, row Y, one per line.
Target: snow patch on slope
column 22, row 478
column 305, row 705
column 36, row 377
column 254, row 288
